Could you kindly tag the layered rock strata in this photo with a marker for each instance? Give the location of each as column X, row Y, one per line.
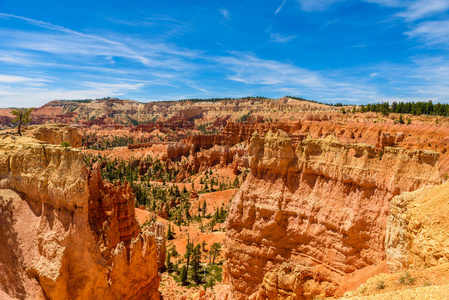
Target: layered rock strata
column 322, row 207
column 65, row 236
column 55, row 134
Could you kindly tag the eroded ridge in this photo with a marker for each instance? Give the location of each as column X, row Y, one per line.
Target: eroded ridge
column 321, row 207
column 67, row 234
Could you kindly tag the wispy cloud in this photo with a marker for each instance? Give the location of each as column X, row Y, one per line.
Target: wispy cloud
column 431, row 33
column 415, row 9
column 390, row 3
column 279, row 38
column 8, row 79
column 225, row 13
column 424, row 8
column 29, row 95
column 280, row 7
column 55, row 27
column 69, row 57
column 249, row 69
column 316, row 5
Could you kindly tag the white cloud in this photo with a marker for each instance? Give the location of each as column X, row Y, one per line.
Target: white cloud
column 424, row 8
column 431, row 33
column 316, row 5
column 415, row 9
column 225, row 13
column 280, row 7
column 69, row 42
column 29, row 96
column 390, row 3
column 279, row 38
column 8, row 79
column 249, row 69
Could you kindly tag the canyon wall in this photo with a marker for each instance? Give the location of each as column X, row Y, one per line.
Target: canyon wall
column 309, row 215
column 65, row 233
column 417, row 229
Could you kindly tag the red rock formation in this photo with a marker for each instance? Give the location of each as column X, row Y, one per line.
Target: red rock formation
column 111, row 212
column 384, row 139
column 67, row 236
column 321, row 207
column 159, row 231
column 399, row 137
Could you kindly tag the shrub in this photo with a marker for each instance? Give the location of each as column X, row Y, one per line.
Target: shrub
column 65, row 145
column 380, row 285
column 406, row 279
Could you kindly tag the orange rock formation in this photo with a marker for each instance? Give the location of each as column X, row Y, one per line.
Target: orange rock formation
column 65, row 233
column 55, row 134
column 318, row 210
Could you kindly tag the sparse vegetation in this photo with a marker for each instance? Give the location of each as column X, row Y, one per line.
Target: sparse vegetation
column 406, row 279
column 380, row 285
column 22, row 117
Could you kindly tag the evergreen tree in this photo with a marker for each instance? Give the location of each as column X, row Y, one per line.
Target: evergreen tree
column 196, row 263
column 212, row 224
column 170, row 235
column 204, row 208
column 189, row 251
column 215, row 251
column 184, row 275
column 169, row 263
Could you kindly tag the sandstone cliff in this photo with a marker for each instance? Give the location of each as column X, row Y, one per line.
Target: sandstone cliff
column 65, row 234
column 55, row 134
column 417, row 230
column 416, row 245
column 321, row 207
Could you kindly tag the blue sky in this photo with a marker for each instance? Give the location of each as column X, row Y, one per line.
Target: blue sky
column 327, row 50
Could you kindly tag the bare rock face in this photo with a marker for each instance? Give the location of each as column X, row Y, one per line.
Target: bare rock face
column 66, row 236
column 158, row 229
column 55, row 134
column 399, row 137
column 289, row 281
column 385, row 140
column 321, row 207
column 418, row 229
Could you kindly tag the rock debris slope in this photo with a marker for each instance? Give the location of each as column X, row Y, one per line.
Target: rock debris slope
column 307, row 216
column 65, row 234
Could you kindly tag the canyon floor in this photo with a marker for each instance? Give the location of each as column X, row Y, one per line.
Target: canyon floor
column 231, row 199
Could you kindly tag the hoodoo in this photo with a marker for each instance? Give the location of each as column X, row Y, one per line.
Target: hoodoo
column 66, row 234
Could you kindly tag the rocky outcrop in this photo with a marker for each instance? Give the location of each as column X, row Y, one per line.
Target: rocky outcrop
column 385, row 139
column 55, row 134
column 321, row 206
column 158, row 229
column 67, row 235
column 417, row 233
column 289, row 281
